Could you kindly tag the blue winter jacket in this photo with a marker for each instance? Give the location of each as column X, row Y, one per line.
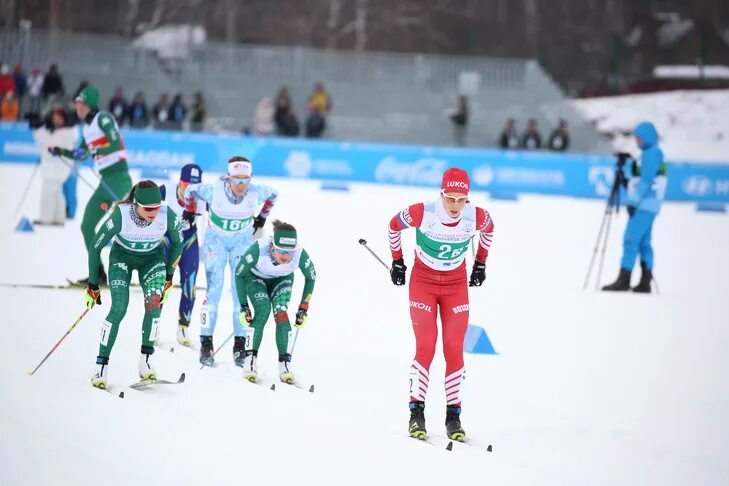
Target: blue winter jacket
column 647, row 188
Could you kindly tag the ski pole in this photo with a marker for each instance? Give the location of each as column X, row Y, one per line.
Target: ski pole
column 27, row 188
column 59, row 341
column 296, row 335
column 363, row 242
column 74, row 169
column 221, row 346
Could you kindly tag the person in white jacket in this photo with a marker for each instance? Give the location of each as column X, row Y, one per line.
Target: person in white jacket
column 54, row 169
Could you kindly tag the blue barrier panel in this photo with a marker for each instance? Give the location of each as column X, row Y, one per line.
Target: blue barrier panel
column 477, row 341
column 504, row 196
column 495, row 171
column 711, row 207
column 335, row 186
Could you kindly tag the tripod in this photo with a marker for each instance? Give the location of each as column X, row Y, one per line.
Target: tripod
column 613, row 204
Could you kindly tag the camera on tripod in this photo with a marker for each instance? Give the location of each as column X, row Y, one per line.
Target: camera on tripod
column 622, row 157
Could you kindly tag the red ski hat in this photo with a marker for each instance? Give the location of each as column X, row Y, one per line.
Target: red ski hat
column 456, row 180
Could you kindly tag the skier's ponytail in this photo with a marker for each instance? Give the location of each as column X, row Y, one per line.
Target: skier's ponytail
column 280, row 225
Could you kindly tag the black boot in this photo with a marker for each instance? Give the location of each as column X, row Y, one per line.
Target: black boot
column 206, row 351
column 453, row 423
column 239, row 350
column 644, row 286
column 622, row 283
column 417, row 420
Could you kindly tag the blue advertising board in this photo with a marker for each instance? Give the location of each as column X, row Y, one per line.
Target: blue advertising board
column 498, row 171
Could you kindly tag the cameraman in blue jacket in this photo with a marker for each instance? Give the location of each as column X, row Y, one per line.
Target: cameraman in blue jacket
column 646, row 187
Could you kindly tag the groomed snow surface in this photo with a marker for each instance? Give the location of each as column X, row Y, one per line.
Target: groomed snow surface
column 587, row 388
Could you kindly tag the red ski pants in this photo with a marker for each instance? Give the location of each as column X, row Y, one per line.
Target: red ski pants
column 430, row 290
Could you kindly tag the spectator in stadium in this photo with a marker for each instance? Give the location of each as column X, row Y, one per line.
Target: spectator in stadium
column 7, row 83
column 161, row 112
column 53, row 85
column 118, row 106
column 320, row 104
column 137, row 114
column 287, row 124
column 199, row 111
column 531, row 139
column 559, row 140
column 21, row 84
column 263, row 123
column 460, row 121
column 509, row 139
column 35, row 87
column 9, row 108
column 177, row 112
column 320, row 100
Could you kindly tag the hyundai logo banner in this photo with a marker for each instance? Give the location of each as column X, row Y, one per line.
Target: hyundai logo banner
column 491, row 170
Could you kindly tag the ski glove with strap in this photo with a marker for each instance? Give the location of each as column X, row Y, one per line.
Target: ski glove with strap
column 397, row 272
column 245, row 316
column 189, row 216
column 93, row 296
column 478, row 274
column 167, row 289
column 258, row 222
column 301, row 316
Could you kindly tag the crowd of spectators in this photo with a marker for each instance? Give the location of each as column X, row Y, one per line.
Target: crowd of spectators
column 23, row 96
column 278, row 116
column 531, row 137
column 510, row 138
column 31, row 97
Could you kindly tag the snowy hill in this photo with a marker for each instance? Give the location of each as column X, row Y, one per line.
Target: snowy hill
column 693, row 125
column 587, row 388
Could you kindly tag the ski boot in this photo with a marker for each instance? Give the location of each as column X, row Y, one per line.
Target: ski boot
column 644, row 286
column 284, row 369
column 453, row 423
column 417, row 420
column 182, row 334
column 250, row 371
column 206, row 351
column 239, row 348
column 146, row 369
column 622, row 283
column 99, row 380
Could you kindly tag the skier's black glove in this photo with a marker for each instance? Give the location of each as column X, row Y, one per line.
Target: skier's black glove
column 478, row 274
column 258, row 222
column 54, row 150
column 397, row 272
column 631, row 210
column 189, row 216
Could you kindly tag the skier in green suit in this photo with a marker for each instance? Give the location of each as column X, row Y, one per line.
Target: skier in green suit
column 101, row 140
column 265, row 275
column 138, row 225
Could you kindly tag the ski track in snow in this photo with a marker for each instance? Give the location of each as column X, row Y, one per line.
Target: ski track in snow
column 587, row 388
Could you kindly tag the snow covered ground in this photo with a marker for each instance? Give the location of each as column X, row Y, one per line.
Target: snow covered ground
column 588, row 388
column 693, row 125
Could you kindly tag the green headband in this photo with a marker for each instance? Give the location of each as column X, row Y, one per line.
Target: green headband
column 147, row 196
column 284, row 239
